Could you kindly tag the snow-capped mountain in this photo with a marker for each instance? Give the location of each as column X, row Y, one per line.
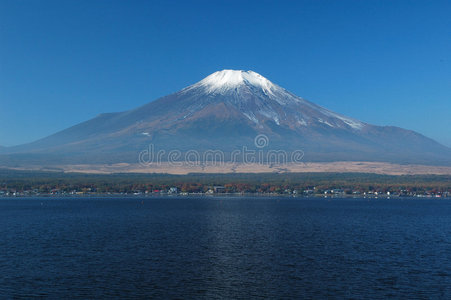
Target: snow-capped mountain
column 259, row 100
column 225, row 111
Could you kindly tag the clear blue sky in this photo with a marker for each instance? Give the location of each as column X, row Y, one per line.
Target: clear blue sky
column 64, row 62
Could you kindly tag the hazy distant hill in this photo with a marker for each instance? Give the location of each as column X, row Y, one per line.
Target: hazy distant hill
column 226, row 111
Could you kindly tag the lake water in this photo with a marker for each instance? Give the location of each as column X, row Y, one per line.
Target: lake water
column 214, row 248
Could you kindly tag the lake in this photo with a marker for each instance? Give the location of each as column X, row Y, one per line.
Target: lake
column 225, row 247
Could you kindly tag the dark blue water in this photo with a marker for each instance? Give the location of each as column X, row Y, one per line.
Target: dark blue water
column 225, row 248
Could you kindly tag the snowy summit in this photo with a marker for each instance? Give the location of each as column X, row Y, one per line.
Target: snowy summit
column 222, row 81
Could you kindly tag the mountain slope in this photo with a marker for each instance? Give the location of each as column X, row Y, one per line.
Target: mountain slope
column 226, row 111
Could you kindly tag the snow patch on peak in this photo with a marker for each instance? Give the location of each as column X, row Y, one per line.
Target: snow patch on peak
column 258, row 80
column 251, row 117
column 222, row 81
column 325, row 122
column 355, row 124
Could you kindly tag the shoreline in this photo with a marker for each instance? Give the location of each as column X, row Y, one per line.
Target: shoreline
column 225, row 195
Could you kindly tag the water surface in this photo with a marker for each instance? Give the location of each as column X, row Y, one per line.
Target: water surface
column 177, row 247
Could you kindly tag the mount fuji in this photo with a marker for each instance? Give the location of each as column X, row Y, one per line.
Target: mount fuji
column 226, row 111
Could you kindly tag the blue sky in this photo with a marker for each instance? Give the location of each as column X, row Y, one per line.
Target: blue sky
column 64, row 62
